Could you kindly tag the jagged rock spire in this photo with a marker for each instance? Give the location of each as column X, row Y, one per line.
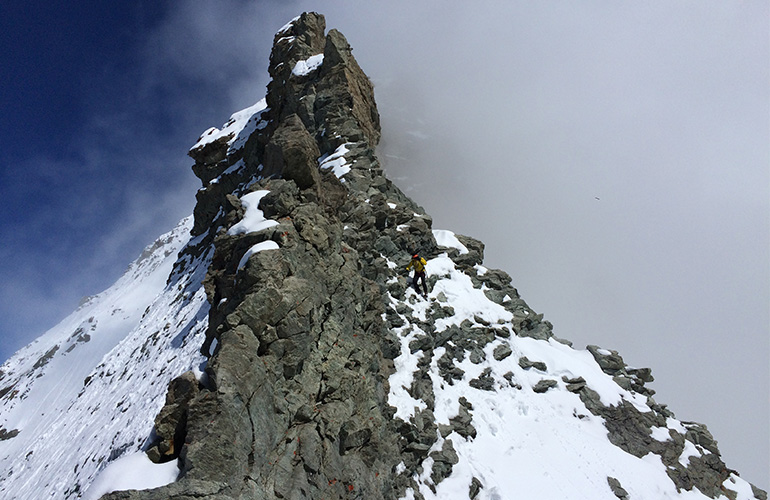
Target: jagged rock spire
column 318, row 100
column 296, row 404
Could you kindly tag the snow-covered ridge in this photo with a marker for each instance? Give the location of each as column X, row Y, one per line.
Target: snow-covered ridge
column 527, row 416
column 503, row 413
column 237, row 129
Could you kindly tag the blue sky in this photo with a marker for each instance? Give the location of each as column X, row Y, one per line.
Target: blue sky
column 98, row 113
column 506, row 120
column 66, row 173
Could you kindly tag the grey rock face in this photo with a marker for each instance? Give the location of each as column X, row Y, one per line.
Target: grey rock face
column 293, row 152
column 171, row 422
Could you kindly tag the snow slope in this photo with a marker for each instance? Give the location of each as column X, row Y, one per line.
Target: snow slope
column 527, row 443
column 82, row 399
column 87, row 391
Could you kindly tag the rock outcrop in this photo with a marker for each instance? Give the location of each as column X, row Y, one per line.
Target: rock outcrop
column 296, row 400
column 309, row 311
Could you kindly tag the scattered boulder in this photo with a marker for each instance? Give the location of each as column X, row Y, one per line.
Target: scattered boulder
column 544, row 385
column 461, row 423
column 484, row 382
column 443, row 461
column 509, row 377
column 617, row 489
column 501, row 352
column 6, row 434
column 574, row 384
column 474, row 488
column 525, row 363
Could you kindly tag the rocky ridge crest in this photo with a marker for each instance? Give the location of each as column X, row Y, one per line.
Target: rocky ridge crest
column 309, row 311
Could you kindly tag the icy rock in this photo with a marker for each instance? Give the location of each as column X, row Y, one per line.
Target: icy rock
column 617, row 489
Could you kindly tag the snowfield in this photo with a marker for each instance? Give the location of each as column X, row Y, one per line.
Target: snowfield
column 527, row 444
column 87, row 392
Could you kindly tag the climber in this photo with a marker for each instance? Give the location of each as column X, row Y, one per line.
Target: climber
column 419, row 273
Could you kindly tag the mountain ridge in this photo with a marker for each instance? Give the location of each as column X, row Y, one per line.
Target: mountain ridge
column 302, row 393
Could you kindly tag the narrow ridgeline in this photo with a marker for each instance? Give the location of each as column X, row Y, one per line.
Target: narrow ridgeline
column 326, row 376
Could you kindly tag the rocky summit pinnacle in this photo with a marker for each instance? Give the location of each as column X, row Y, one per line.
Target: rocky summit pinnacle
column 302, row 365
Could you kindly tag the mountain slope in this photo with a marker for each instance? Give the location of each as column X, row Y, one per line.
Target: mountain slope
column 324, row 374
column 78, row 396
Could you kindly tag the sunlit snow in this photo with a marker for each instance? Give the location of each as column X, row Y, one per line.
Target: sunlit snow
column 528, row 444
column 336, row 161
column 237, row 129
column 308, row 65
column 132, row 472
column 264, row 245
column 253, row 219
column 448, row 239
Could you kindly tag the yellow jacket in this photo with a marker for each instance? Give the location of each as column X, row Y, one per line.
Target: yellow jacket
column 419, row 265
